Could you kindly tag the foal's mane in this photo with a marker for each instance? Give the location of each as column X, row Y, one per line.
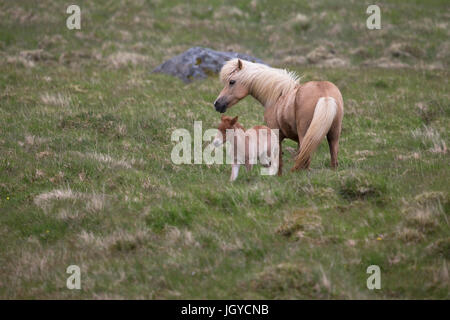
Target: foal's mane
column 264, row 83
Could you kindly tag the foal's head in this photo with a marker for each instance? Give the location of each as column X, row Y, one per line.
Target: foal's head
column 226, row 123
column 234, row 89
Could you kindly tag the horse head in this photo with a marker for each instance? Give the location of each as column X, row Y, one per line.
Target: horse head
column 234, row 90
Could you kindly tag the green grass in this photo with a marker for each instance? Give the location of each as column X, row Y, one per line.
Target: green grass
column 140, row 226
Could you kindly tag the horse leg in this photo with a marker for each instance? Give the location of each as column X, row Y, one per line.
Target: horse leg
column 280, row 157
column 333, row 143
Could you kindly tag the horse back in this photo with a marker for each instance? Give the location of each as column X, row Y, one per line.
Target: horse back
column 306, row 100
column 310, row 92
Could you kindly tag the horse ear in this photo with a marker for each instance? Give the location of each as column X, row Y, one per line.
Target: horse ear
column 239, row 64
column 234, row 120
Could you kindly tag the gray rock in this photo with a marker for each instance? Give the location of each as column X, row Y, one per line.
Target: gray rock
column 199, row 63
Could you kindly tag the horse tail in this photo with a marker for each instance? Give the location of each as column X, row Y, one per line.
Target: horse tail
column 324, row 113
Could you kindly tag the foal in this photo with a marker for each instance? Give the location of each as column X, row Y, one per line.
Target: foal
column 259, row 142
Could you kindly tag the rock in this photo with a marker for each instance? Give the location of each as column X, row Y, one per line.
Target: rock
column 198, row 63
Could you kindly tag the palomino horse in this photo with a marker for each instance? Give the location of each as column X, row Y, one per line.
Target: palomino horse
column 302, row 112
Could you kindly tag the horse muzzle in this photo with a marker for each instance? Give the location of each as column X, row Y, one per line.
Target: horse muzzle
column 220, row 106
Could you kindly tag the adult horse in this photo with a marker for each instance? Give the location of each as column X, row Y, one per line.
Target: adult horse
column 302, row 112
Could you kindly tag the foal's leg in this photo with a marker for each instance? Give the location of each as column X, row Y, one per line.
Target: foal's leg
column 234, row 171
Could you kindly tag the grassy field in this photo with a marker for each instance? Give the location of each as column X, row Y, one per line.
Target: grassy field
column 86, row 176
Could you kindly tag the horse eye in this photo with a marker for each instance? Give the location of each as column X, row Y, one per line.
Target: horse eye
column 232, row 82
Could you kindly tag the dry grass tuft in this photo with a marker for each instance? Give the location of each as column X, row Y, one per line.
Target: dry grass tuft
column 121, row 59
column 300, row 222
column 173, row 235
column 409, row 235
column 292, row 281
column 31, row 140
column 120, row 240
column 414, row 155
column 56, row 99
column 431, row 198
column 430, row 137
column 57, row 194
column 423, row 217
column 107, row 159
column 94, row 202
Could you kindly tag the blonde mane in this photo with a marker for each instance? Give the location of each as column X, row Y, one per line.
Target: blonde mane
column 264, row 83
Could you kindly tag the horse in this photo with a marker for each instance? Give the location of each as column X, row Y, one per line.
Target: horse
column 248, row 145
column 305, row 113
